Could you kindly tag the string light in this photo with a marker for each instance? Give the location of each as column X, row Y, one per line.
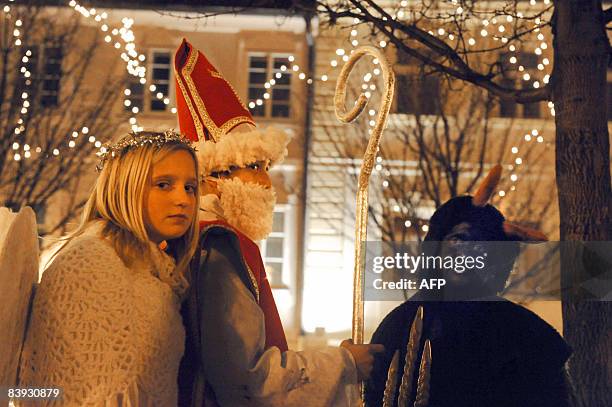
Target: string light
column 134, row 59
column 126, row 38
column 490, row 25
column 284, row 69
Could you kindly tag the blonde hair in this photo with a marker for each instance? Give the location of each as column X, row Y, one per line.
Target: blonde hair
column 118, row 200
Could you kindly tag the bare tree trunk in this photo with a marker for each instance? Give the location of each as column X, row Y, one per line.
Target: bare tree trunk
column 583, row 178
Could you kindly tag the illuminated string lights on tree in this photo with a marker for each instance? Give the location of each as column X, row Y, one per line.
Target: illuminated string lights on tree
column 23, row 150
column 493, row 27
column 25, row 103
column 269, row 84
column 19, row 128
column 123, row 39
column 487, row 28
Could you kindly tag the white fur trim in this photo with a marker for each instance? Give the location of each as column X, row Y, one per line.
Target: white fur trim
column 242, row 149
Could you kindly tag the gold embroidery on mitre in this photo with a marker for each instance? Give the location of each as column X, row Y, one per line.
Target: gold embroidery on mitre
column 215, row 132
column 230, row 124
column 215, row 74
column 186, row 70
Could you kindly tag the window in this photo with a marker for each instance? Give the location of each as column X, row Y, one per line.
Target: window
column 156, row 94
column 418, row 93
column 273, row 248
column 531, row 110
column 135, row 93
column 512, row 78
column 45, row 66
column 422, row 101
column 507, row 107
column 277, row 69
column 160, row 71
column 403, row 58
column 51, row 75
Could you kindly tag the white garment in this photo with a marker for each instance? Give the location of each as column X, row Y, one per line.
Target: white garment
column 18, row 274
column 106, row 334
column 237, row 365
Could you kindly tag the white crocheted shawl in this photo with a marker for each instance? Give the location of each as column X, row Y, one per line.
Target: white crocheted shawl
column 106, row 334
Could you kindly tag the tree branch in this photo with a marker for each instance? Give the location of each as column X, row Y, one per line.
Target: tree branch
column 458, row 67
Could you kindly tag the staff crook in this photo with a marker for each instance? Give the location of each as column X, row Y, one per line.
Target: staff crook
column 366, row 165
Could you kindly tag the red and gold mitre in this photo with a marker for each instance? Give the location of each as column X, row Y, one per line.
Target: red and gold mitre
column 209, row 110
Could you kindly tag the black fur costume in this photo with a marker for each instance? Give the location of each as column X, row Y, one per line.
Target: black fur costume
column 484, row 353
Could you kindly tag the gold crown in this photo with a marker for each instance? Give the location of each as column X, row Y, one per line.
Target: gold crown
column 133, row 140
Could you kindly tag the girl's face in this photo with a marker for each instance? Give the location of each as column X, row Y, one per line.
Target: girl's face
column 170, row 197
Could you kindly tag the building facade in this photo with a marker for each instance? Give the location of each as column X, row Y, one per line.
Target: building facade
column 309, row 255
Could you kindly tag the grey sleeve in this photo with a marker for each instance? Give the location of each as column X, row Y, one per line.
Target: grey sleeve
column 236, row 364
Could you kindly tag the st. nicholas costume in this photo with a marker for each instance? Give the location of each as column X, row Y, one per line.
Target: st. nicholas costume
column 236, row 351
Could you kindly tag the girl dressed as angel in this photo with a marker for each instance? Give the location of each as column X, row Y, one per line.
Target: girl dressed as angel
column 105, row 325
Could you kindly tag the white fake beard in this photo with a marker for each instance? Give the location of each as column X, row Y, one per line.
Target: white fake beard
column 247, row 206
